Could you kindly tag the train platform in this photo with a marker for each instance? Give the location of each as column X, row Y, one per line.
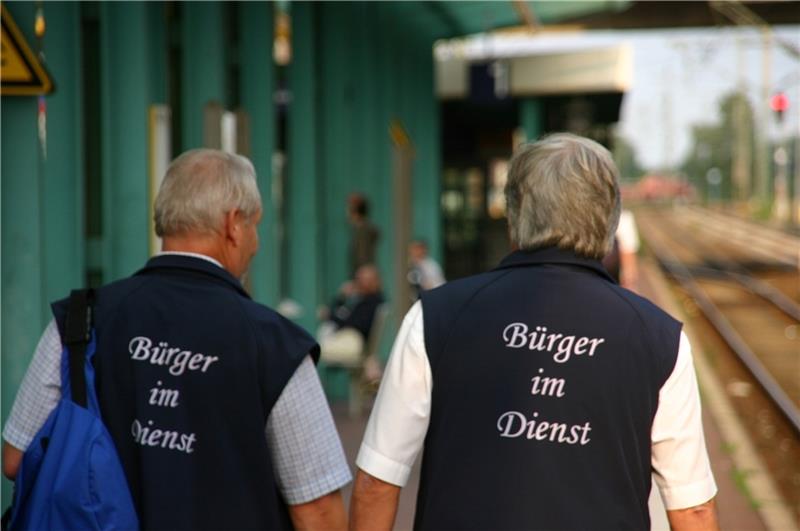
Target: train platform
column 740, row 499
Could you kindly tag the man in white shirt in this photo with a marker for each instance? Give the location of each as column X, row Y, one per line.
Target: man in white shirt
column 541, row 393
column 425, row 273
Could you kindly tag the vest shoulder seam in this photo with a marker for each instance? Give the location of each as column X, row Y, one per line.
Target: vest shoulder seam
column 114, row 308
column 452, row 323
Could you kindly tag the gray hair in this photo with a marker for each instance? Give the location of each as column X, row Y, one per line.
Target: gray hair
column 200, row 186
column 563, row 190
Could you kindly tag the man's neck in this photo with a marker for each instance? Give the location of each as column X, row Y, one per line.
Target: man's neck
column 205, row 246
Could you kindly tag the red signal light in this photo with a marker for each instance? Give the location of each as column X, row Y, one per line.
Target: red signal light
column 779, row 102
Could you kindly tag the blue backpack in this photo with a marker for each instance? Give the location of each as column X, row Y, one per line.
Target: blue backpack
column 71, row 476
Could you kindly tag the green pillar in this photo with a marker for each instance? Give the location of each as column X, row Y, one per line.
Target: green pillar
column 157, row 48
column 257, row 71
column 427, row 171
column 302, row 183
column 386, row 80
column 125, row 78
column 23, row 293
column 532, row 118
column 336, row 110
column 42, row 210
column 63, row 215
column 23, row 298
column 203, row 76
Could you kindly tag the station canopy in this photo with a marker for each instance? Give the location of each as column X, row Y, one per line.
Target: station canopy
column 447, row 19
column 540, row 73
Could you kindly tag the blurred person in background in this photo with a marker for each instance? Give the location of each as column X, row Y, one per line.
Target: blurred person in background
column 622, row 262
column 348, row 322
column 541, row 393
column 424, row 272
column 364, row 235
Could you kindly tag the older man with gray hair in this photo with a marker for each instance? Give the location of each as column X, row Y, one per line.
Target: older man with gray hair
column 212, row 400
column 541, row 394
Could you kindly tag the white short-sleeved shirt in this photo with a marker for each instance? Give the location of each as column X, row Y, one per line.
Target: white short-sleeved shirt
column 396, row 430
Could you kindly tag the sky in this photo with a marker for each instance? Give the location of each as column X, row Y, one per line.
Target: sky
column 678, row 78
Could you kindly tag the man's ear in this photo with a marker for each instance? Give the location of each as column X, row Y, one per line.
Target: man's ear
column 233, row 227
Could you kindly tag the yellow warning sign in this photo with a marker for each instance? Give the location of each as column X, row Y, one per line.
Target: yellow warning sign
column 21, row 72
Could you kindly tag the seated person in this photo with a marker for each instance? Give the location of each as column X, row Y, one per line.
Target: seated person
column 343, row 334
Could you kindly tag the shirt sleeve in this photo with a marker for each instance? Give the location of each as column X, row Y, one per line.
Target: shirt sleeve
column 680, row 462
column 39, row 392
column 307, row 454
column 399, row 421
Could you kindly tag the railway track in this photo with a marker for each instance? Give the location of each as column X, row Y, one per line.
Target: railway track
column 746, row 302
column 759, row 322
column 756, row 240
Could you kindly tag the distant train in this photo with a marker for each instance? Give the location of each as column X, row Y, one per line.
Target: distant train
column 659, row 188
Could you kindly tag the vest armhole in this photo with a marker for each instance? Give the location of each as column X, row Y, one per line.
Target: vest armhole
column 667, row 331
column 293, row 356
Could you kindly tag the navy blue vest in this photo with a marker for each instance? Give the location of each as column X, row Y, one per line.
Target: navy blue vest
column 546, row 377
column 188, row 369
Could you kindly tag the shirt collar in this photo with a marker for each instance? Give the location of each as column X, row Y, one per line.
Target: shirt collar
column 195, row 255
column 196, row 263
column 553, row 255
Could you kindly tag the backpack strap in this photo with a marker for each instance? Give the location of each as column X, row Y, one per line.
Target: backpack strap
column 77, row 334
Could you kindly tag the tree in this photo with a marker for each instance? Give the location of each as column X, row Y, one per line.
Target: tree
column 720, row 162
column 737, row 118
column 625, row 158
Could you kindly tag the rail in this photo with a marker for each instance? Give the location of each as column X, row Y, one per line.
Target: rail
column 683, row 275
column 766, row 242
